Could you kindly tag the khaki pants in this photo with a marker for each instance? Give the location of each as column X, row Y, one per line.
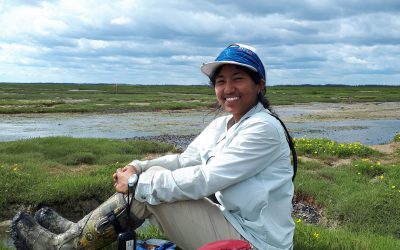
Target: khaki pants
column 189, row 224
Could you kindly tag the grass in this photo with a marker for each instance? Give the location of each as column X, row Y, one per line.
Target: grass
column 359, row 199
column 397, row 137
column 58, row 170
column 320, row 238
column 320, row 147
column 55, row 98
column 51, row 98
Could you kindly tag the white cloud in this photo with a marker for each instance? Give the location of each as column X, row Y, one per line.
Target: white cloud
column 158, row 42
column 120, row 20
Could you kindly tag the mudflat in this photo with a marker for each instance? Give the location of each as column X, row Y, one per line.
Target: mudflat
column 342, row 111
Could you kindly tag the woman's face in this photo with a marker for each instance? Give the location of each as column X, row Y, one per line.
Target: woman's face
column 235, row 90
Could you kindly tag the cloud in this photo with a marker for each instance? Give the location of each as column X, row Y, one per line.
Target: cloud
column 165, row 42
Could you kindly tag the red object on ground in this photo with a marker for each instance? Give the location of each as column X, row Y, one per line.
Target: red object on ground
column 226, row 245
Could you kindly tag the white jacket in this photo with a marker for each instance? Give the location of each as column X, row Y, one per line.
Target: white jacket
column 247, row 167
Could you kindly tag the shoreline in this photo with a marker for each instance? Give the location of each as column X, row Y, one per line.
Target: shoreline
column 342, row 111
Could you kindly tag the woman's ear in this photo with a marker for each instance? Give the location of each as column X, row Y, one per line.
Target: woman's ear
column 261, row 85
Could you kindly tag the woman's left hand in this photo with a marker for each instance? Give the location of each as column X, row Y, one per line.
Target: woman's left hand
column 121, row 177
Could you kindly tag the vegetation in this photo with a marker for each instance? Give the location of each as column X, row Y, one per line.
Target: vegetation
column 50, row 98
column 326, row 148
column 62, row 170
column 359, row 198
column 397, row 137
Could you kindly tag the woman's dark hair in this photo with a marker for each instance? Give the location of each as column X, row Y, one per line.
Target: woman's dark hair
column 264, row 101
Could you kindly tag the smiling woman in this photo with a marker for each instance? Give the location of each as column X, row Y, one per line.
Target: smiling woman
column 235, row 90
column 234, row 181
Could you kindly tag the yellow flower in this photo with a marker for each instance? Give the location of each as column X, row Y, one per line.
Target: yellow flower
column 358, row 173
column 381, row 177
column 316, row 235
column 393, row 186
column 14, row 169
column 298, row 220
column 378, row 163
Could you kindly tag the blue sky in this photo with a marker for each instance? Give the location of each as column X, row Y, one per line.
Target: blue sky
column 165, row 42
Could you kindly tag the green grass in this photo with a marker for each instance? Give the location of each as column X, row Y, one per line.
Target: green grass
column 58, row 170
column 359, row 199
column 353, row 199
column 51, row 98
column 320, row 147
column 320, row 238
column 397, row 137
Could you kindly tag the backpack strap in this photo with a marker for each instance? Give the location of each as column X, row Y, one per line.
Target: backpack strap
column 291, row 145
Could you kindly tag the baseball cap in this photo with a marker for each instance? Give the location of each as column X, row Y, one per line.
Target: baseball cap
column 237, row 54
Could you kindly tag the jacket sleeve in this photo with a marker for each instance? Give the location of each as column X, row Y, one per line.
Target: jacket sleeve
column 253, row 148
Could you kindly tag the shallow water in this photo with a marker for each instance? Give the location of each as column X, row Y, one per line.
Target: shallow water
column 125, row 125
column 128, row 125
column 368, row 132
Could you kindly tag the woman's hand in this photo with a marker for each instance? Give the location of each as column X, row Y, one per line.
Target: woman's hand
column 121, row 177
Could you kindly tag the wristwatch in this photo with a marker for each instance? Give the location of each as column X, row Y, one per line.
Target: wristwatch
column 132, row 180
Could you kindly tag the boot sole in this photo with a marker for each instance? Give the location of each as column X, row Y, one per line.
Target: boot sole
column 19, row 243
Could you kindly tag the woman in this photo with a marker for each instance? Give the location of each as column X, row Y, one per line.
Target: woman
column 242, row 158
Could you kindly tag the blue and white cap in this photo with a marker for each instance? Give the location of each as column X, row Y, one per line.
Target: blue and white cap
column 238, row 54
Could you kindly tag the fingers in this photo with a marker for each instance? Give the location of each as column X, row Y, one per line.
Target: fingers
column 121, row 188
column 120, row 178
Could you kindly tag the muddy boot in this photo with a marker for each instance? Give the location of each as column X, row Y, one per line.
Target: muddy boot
column 98, row 229
column 28, row 234
column 52, row 221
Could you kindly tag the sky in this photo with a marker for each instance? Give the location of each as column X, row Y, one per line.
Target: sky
column 353, row 42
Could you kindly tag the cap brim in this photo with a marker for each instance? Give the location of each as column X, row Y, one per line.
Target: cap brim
column 209, row 68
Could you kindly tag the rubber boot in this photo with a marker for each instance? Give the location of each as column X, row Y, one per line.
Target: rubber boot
column 52, row 221
column 96, row 230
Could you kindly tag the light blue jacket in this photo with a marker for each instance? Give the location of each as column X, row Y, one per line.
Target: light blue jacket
column 247, row 167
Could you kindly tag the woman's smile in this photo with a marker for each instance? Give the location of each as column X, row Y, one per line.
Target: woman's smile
column 231, row 99
column 236, row 92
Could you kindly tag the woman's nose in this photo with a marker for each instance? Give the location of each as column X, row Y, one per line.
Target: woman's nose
column 229, row 87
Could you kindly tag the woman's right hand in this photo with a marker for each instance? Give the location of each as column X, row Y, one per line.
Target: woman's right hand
column 121, row 177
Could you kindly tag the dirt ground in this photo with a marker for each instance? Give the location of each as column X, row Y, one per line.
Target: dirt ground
column 343, row 111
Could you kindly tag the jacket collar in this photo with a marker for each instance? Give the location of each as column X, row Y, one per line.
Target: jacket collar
column 256, row 109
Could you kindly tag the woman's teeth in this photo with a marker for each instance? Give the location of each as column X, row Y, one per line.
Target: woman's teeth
column 232, row 98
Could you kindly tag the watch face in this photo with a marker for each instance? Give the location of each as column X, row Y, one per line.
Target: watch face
column 132, row 180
